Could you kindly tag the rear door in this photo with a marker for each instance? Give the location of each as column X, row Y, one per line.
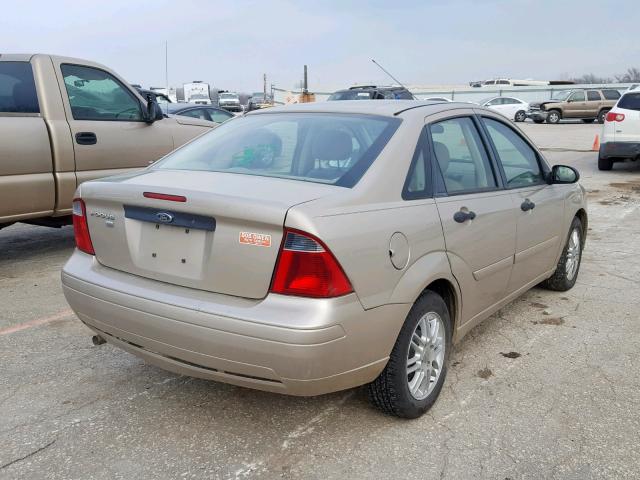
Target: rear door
column 106, row 121
column 594, row 102
column 540, row 206
column 26, row 169
column 478, row 216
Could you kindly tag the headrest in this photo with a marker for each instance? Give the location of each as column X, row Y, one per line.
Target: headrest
column 442, row 155
column 332, row 144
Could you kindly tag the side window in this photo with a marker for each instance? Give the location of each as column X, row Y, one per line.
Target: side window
column 495, row 101
column 96, row 95
column 219, row 116
column 195, row 113
column 17, row 88
column 577, row 97
column 418, row 183
column 461, row 156
column 593, row 95
column 519, row 161
column 611, row 94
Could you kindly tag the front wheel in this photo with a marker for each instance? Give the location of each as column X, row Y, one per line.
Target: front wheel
column 566, row 274
column 521, row 116
column 413, row 377
column 554, row 117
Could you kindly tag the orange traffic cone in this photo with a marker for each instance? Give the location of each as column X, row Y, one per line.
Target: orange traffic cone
column 596, row 144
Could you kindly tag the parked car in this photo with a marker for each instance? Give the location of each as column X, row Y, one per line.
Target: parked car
column 229, row 101
column 354, row 253
column 258, row 100
column 621, row 131
column 64, row 121
column 203, row 112
column 512, row 108
column 372, row 92
column 588, row 105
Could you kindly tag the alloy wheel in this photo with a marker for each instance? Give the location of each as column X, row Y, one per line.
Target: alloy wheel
column 573, row 254
column 425, row 358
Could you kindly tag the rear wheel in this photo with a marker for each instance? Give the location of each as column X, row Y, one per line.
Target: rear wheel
column 411, row 382
column 605, row 163
column 602, row 115
column 566, row 274
column 554, row 116
column 520, row 116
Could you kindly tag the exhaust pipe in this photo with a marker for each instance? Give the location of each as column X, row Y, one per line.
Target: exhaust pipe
column 98, row 340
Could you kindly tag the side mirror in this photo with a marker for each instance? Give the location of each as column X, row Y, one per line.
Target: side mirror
column 563, row 174
column 154, row 111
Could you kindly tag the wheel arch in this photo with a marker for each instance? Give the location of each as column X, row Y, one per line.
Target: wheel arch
column 449, row 294
column 584, row 219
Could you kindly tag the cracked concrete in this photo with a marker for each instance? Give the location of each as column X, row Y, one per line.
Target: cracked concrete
column 566, row 408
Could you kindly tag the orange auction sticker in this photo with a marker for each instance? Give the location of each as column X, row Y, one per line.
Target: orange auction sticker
column 258, row 239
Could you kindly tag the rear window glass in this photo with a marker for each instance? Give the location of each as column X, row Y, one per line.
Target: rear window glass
column 17, row 88
column 630, row 101
column 352, row 95
column 335, row 149
column 611, row 94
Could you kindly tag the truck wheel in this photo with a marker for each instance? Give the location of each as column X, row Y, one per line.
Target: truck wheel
column 605, row 163
column 566, row 274
column 588, row 120
column 411, row 382
column 554, row 116
column 521, row 116
column 602, row 115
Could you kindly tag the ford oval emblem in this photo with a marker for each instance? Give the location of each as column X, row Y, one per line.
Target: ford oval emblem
column 164, row 217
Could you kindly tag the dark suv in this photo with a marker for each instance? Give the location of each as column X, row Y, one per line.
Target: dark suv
column 372, row 92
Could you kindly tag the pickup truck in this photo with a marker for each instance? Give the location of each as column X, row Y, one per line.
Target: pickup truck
column 64, row 121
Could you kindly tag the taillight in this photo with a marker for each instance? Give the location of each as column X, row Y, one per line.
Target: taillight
column 615, row 117
column 80, row 227
column 307, row 268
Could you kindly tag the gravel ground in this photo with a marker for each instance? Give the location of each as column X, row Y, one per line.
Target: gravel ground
column 549, row 387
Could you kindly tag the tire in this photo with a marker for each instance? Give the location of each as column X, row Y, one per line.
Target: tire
column 602, row 115
column 391, row 392
column 605, row 164
column 520, row 116
column 554, row 117
column 588, row 120
column 538, row 120
column 566, row 274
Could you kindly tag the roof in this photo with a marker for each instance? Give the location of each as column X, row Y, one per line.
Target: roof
column 371, row 107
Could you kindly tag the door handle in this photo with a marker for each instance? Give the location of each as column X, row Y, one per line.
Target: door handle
column 86, row 138
column 461, row 216
column 527, row 205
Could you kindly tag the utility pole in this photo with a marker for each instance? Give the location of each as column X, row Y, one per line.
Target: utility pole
column 264, row 87
column 305, row 84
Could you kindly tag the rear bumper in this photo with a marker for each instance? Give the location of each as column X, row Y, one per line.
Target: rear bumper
column 620, row 150
column 283, row 344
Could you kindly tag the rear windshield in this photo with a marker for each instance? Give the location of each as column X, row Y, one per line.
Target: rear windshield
column 17, row 88
column 630, row 101
column 335, row 149
column 351, row 95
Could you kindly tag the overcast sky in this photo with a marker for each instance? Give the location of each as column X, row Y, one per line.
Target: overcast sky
column 232, row 43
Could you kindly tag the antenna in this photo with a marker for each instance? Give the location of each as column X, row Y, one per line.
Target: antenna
column 166, row 70
column 394, row 78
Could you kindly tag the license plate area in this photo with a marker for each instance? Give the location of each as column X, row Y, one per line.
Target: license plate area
column 176, row 250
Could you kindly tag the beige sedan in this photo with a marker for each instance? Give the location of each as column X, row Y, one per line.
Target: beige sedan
column 318, row 247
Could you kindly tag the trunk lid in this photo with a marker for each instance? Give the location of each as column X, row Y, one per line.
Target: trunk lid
column 224, row 238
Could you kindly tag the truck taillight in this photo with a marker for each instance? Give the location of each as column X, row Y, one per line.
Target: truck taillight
column 615, row 117
column 306, row 268
column 81, row 228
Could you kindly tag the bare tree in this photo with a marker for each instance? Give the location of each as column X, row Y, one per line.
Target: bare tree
column 630, row 76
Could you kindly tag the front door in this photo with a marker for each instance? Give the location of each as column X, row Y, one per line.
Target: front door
column 478, row 216
column 107, row 126
column 540, row 207
column 576, row 106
